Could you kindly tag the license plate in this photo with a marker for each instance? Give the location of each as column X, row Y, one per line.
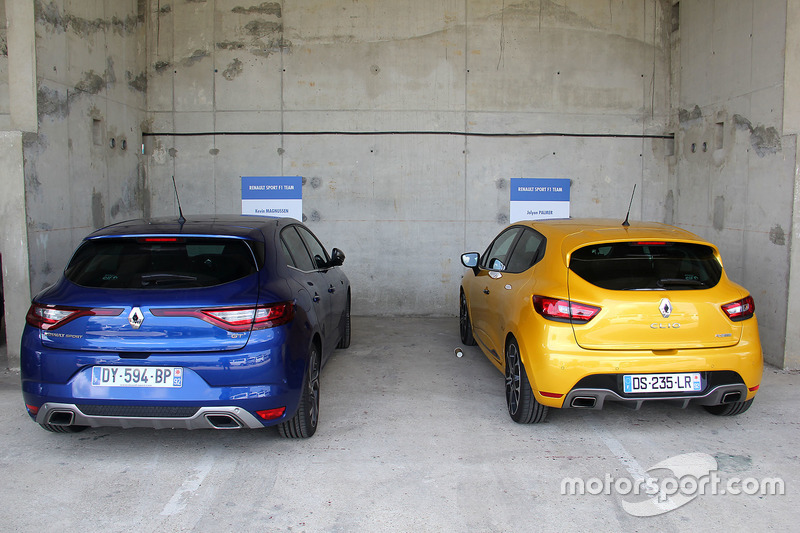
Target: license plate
column 137, row 376
column 689, row 382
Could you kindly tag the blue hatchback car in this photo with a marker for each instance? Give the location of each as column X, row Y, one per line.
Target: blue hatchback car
column 213, row 322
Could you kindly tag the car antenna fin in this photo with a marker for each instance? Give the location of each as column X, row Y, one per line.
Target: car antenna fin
column 628, row 214
column 181, row 218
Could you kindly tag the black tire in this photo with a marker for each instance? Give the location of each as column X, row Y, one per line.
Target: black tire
column 522, row 405
column 63, row 429
column 304, row 422
column 464, row 324
column 729, row 409
column 344, row 340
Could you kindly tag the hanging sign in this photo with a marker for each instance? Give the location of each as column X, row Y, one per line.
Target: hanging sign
column 273, row 196
column 539, row 198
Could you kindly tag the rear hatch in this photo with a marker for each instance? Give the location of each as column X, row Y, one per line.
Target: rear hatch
column 653, row 295
column 153, row 294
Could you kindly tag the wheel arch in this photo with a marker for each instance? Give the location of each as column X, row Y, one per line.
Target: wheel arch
column 524, row 357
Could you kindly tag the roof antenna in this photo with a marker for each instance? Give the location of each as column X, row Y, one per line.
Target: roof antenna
column 624, row 224
column 181, row 218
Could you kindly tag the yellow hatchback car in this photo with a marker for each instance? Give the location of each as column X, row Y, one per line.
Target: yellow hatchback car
column 580, row 312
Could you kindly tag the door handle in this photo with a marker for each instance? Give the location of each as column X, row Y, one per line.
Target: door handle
column 486, row 290
column 331, row 289
column 316, row 297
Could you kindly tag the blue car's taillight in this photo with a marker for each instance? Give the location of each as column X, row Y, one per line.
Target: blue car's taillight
column 237, row 318
column 54, row 316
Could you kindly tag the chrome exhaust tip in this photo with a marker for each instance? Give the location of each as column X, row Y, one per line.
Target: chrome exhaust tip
column 61, row 418
column 583, row 402
column 223, row 422
column 731, row 397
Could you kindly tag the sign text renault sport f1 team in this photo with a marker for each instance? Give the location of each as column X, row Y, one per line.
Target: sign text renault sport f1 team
column 273, row 196
column 539, row 198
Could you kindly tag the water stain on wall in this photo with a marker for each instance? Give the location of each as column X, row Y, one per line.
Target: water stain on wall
column 52, row 103
column 265, row 8
column 234, row 68
column 689, row 115
column 260, row 28
column 764, row 140
column 197, row 55
column 669, row 208
column 91, row 83
column 49, row 15
column 230, row 45
column 777, row 235
column 719, row 213
column 98, row 210
column 137, row 83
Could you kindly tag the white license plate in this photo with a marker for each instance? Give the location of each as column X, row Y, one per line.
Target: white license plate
column 637, row 383
column 137, row 376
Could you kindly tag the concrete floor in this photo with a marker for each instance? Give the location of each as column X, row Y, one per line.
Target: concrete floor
column 411, row 438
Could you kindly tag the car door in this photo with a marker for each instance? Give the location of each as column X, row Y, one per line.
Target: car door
column 334, row 286
column 486, row 288
column 511, row 288
column 305, row 272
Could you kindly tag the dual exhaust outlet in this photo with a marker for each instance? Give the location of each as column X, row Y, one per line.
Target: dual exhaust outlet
column 589, row 402
column 215, row 421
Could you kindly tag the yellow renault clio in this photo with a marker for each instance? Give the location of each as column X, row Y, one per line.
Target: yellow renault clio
column 579, row 312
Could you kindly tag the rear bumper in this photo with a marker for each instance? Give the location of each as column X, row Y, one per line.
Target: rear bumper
column 229, row 385
column 195, row 405
column 563, row 371
column 219, row 417
column 587, row 398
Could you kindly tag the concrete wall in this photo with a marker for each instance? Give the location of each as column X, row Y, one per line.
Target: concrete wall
column 82, row 167
column 411, row 192
column 4, row 100
column 17, row 115
column 733, row 177
column 791, row 126
column 407, row 120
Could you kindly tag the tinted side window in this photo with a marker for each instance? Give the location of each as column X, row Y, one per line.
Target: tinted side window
column 296, row 250
column 526, row 252
column 160, row 262
column 647, row 265
column 497, row 253
column 318, row 252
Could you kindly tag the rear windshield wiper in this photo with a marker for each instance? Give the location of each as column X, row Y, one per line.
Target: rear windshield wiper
column 680, row 282
column 158, row 279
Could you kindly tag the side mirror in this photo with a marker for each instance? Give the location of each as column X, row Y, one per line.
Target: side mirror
column 337, row 257
column 471, row 260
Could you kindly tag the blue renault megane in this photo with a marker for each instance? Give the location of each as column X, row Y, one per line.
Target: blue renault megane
column 213, row 322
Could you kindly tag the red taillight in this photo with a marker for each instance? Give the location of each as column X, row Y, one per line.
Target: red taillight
column 753, row 389
column 237, row 318
column 564, row 310
column 271, row 414
column 740, row 309
column 650, row 243
column 32, row 409
column 54, row 316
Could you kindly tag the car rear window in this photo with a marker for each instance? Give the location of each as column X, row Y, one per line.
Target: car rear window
column 160, row 262
column 647, row 265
